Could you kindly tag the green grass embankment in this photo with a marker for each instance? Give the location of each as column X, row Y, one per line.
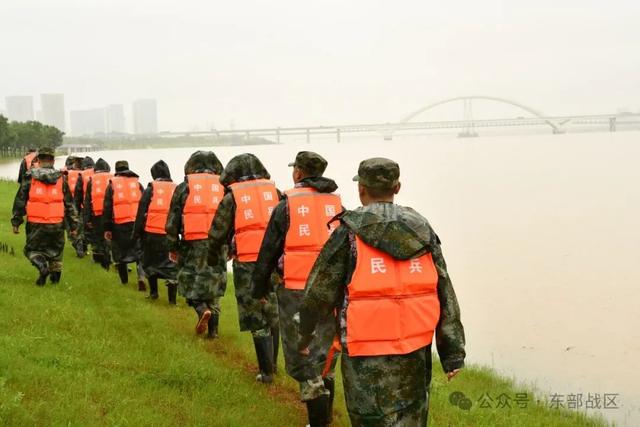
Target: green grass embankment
column 90, row 351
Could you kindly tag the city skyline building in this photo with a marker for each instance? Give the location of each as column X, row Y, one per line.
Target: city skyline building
column 53, row 111
column 115, row 119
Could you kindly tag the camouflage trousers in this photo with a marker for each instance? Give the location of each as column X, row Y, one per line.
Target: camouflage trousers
column 307, row 370
column 197, row 280
column 387, row 390
column 45, row 241
column 252, row 314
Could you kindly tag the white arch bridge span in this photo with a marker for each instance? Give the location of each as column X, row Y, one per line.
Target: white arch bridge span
column 467, row 127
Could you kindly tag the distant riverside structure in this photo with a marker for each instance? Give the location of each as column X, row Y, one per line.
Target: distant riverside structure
column 115, row 122
column 88, row 122
column 145, row 117
column 53, row 112
column 19, row 108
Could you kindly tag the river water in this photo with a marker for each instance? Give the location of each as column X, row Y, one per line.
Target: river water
column 541, row 234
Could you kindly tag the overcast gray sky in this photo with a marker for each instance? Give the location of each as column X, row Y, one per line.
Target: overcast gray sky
column 295, row 62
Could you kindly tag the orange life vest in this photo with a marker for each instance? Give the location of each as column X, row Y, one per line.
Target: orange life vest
column 29, row 159
column 99, row 182
column 205, row 194
column 72, row 179
column 86, row 174
column 159, row 206
column 126, row 197
column 309, row 213
column 393, row 305
column 46, row 202
column 255, row 200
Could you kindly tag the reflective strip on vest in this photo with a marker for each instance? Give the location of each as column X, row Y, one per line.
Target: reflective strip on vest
column 72, row 179
column 159, row 206
column 46, row 202
column 86, row 175
column 99, row 182
column 309, row 213
column 29, row 160
column 255, row 201
column 126, row 197
column 205, row 194
column 392, row 305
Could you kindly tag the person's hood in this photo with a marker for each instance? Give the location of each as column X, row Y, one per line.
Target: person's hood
column 243, row 167
column 203, row 161
column 396, row 230
column 160, row 170
column 320, row 183
column 46, row 175
column 127, row 173
column 102, row 166
column 87, row 163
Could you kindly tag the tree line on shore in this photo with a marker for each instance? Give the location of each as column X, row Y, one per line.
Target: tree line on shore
column 17, row 137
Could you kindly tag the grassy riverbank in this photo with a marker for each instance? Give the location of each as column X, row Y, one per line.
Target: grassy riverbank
column 90, row 351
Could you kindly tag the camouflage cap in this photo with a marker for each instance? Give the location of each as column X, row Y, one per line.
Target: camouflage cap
column 378, row 173
column 46, row 151
column 312, row 163
column 122, row 165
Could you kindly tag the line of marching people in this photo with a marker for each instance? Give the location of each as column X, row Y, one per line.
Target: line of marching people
column 370, row 283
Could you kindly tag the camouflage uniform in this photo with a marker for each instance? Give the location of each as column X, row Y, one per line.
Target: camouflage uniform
column 44, row 242
column 306, row 370
column 393, row 389
column 200, row 283
column 260, row 319
column 85, row 234
column 94, row 224
column 253, row 316
column 155, row 250
column 74, row 163
column 124, row 249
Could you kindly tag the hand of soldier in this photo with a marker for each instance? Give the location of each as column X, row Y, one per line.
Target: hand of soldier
column 304, row 351
column 452, row 374
column 108, row 235
column 73, row 233
column 16, row 229
column 173, row 256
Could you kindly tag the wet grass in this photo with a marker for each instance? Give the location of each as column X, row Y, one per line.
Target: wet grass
column 90, row 351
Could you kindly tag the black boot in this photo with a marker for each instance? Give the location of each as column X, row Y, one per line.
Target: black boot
column 330, row 384
column 204, row 314
column 142, row 287
column 264, row 353
column 317, row 411
column 55, row 276
column 123, row 273
column 275, row 334
column 97, row 258
column 43, row 268
column 105, row 261
column 153, row 287
column 172, row 290
column 213, row 326
column 80, row 252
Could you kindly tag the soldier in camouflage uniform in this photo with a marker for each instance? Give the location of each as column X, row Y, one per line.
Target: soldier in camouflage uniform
column 74, row 163
column 385, row 389
column 87, row 166
column 201, row 284
column 260, row 319
column 315, row 391
column 155, row 252
column 124, row 249
column 45, row 241
column 94, row 224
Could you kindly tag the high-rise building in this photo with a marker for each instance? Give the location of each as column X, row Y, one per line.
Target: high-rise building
column 115, row 118
column 19, row 108
column 145, row 117
column 88, row 122
column 53, row 110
